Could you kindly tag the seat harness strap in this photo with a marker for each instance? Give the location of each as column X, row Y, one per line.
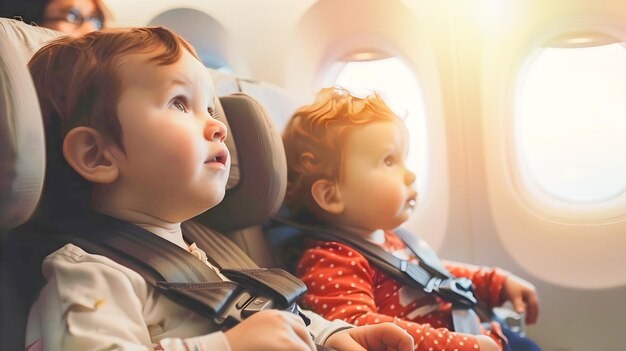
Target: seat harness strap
column 427, row 275
column 237, row 266
column 179, row 275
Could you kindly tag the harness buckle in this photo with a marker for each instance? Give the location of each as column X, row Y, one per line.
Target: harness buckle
column 246, row 304
column 455, row 290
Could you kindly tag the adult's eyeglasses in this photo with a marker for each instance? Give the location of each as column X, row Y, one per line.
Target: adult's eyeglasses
column 74, row 17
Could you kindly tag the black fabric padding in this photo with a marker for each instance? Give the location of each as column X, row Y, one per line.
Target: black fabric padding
column 262, row 168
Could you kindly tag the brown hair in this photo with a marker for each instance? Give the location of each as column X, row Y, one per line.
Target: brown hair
column 315, row 136
column 77, row 81
column 78, row 84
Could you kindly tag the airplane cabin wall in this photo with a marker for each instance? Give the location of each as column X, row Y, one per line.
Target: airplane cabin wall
column 468, row 57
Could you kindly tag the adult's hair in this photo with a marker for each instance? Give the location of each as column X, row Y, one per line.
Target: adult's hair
column 78, row 84
column 315, row 138
column 32, row 11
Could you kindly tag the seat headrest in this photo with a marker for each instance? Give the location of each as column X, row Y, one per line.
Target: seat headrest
column 24, row 38
column 262, row 168
column 276, row 100
column 22, row 150
column 257, row 179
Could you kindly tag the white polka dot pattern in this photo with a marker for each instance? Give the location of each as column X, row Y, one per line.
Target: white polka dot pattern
column 343, row 285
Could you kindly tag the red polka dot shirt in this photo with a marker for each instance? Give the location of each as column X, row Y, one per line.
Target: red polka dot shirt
column 343, row 285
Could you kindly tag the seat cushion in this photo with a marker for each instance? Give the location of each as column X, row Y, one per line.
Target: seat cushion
column 22, row 149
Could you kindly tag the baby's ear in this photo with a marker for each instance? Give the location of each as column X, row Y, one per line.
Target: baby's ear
column 327, row 196
column 85, row 151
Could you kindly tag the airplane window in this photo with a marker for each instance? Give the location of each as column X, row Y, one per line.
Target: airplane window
column 212, row 60
column 204, row 32
column 397, row 84
column 570, row 123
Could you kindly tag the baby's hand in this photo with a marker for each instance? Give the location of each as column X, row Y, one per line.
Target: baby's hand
column 376, row 337
column 524, row 297
column 270, row 330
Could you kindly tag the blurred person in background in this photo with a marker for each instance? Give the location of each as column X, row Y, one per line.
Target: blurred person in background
column 73, row 17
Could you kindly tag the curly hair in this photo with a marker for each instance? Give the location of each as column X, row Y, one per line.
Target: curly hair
column 315, row 136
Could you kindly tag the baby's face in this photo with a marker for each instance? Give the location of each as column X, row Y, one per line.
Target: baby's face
column 375, row 185
column 174, row 164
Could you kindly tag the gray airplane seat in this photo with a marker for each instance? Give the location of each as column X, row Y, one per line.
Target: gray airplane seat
column 265, row 250
column 258, row 189
column 22, row 164
column 279, row 104
column 255, row 188
column 22, row 150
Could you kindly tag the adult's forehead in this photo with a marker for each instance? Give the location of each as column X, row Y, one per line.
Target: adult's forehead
column 84, row 6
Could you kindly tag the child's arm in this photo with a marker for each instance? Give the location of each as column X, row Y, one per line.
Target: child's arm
column 488, row 282
column 523, row 296
column 275, row 330
column 379, row 337
column 270, row 330
column 341, row 336
column 341, row 287
column 495, row 286
column 387, row 336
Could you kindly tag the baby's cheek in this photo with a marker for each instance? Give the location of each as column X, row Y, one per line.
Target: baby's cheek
column 175, row 160
column 177, row 163
column 180, row 150
column 391, row 199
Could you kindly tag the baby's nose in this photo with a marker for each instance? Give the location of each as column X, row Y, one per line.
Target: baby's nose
column 215, row 130
column 409, row 177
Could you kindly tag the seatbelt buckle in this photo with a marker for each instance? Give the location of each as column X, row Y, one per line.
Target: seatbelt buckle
column 456, row 290
column 298, row 311
column 242, row 307
column 510, row 319
column 247, row 304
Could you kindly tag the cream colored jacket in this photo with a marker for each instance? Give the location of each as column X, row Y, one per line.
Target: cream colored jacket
column 93, row 303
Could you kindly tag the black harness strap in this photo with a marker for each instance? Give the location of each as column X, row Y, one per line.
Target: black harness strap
column 208, row 298
column 237, row 266
column 421, row 276
column 223, row 251
column 423, row 253
column 428, row 275
column 181, row 276
column 168, row 268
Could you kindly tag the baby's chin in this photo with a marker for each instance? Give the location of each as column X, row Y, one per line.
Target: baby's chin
column 213, row 202
column 391, row 221
column 396, row 222
column 203, row 205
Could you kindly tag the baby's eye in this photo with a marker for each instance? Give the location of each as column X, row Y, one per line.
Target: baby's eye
column 179, row 103
column 389, row 161
column 212, row 112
